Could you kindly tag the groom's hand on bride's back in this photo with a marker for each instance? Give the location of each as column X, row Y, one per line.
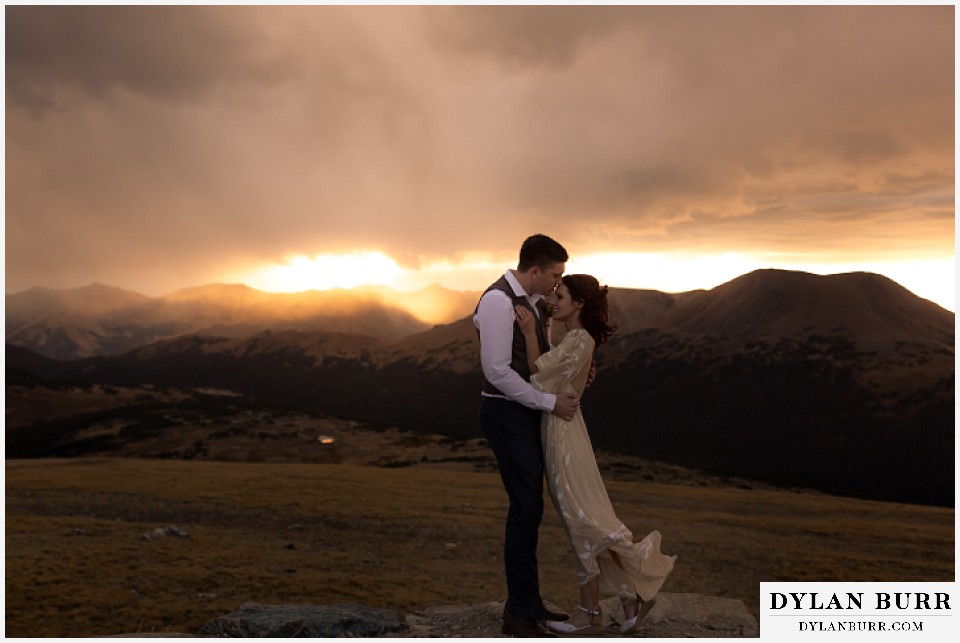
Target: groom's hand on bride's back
column 567, row 405
column 592, row 375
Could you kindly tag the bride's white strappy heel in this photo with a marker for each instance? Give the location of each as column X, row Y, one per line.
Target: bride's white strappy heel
column 569, row 628
column 643, row 608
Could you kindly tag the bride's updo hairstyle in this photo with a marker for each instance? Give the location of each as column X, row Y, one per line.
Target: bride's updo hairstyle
column 595, row 314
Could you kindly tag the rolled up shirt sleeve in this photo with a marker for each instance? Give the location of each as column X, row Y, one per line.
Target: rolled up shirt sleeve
column 494, row 319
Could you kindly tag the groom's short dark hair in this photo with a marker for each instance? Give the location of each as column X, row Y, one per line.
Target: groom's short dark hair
column 540, row 250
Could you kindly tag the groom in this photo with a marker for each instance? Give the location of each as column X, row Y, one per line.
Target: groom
column 510, row 411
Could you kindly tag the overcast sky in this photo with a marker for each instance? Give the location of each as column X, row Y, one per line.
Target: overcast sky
column 159, row 147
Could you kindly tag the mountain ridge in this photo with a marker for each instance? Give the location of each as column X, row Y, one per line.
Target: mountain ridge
column 866, row 303
column 104, row 320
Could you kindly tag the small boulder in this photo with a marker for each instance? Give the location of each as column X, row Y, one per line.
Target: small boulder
column 160, row 532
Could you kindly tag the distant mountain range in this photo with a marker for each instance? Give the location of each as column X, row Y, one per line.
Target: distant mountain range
column 103, row 320
column 843, row 383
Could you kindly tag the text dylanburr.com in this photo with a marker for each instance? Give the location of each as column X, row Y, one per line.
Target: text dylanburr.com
column 865, row 611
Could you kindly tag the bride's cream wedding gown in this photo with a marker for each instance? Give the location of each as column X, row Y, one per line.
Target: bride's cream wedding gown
column 603, row 546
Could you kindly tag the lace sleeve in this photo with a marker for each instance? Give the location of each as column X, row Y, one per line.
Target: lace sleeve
column 561, row 364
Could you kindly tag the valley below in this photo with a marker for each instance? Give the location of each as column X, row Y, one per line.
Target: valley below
column 840, row 383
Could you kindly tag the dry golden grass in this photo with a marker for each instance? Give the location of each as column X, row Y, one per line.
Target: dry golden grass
column 405, row 538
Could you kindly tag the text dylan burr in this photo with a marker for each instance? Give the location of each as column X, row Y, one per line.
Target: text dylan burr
column 855, row 601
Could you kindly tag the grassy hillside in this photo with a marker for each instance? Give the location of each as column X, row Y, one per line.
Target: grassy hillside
column 77, row 562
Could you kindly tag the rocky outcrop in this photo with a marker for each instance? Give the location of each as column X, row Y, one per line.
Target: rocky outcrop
column 673, row 616
column 252, row 620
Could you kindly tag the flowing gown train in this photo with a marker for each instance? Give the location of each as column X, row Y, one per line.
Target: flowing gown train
column 603, row 546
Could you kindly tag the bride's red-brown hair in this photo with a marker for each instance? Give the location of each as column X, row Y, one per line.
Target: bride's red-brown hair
column 595, row 314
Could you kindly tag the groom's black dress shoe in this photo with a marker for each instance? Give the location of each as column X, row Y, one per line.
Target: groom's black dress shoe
column 527, row 628
column 546, row 615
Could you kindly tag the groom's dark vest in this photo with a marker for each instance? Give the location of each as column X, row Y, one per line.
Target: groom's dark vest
column 518, row 361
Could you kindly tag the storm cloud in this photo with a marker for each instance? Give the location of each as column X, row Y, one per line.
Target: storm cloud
column 157, row 146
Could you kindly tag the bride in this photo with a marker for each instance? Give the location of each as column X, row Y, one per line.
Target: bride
column 609, row 562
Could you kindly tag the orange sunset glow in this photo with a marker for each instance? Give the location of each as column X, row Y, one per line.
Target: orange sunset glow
column 931, row 279
column 294, row 148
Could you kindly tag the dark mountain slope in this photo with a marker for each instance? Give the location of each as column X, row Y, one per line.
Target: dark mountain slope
column 871, row 308
column 775, row 376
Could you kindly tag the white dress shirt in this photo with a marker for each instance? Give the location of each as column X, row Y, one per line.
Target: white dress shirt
column 494, row 319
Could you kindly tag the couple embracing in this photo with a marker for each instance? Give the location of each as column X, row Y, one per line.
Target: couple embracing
column 530, row 416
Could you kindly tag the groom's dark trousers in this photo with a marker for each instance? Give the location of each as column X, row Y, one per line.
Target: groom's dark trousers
column 513, row 433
